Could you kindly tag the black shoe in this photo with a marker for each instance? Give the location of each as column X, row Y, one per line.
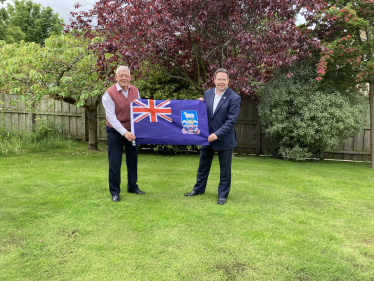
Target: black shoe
column 222, row 201
column 115, row 198
column 137, row 192
column 192, row 193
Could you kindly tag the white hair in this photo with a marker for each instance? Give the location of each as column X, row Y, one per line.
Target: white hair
column 122, row 67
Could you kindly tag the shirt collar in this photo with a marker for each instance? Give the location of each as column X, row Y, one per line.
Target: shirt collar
column 215, row 93
column 120, row 89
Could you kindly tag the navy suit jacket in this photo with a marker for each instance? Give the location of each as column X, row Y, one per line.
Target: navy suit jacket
column 222, row 121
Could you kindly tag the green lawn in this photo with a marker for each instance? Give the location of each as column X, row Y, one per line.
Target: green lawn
column 283, row 220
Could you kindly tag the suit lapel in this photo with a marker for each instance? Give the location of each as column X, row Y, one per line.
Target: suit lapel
column 209, row 103
column 224, row 98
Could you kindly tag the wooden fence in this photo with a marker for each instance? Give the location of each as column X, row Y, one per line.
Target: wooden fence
column 357, row 148
column 73, row 122
column 70, row 119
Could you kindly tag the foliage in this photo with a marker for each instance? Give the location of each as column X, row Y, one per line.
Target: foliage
column 64, row 69
column 171, row 149
column 191, row 39
column 9, row 33
column 160, row 86
column 44, row 136
column 283, row 220
column 306, row 118
column 346, row 29
column 30, row 21
column 12, row 34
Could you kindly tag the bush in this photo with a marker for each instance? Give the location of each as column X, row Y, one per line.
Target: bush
column 44, row 136
column 306, row 118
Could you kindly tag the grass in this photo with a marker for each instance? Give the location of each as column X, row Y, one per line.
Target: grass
column 283, row 220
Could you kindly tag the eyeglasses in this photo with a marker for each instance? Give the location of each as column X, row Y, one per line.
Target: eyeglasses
column 221, row 80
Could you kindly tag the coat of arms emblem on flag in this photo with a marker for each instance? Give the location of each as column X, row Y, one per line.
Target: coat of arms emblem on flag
column 175, row 122
column 189, row 122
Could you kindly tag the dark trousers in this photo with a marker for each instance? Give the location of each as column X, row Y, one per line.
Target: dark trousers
column 206, row 158
column 115, row 151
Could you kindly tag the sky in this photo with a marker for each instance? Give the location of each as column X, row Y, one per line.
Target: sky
column 63, row 7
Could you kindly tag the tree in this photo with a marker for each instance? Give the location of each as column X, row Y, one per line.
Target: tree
column 192, row 38
column 347, row 30
column 64, row 69
column 306, row 118
column 159, row 86
column 35, row 21
column 9, row 33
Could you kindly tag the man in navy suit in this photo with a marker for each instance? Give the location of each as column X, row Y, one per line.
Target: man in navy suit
column 222, row 106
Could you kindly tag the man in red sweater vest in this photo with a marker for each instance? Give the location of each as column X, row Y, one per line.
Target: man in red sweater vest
column 116, row 101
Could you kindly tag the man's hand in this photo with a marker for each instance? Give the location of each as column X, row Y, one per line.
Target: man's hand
column 129, row 136
column 200, row 99
column 212, row 137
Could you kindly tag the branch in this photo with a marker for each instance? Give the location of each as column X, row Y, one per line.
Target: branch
column 180, row 69
column 67, row 69
column 98, row 100
column 228, row 42
column 23, row 81
column 68, row 99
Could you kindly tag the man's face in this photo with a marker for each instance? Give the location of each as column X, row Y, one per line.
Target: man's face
column 221, row 81
column 123, row 78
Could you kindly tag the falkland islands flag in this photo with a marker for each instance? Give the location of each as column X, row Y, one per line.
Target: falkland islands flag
column 174, row 122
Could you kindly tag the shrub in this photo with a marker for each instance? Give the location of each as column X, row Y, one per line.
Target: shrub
column 306, row 118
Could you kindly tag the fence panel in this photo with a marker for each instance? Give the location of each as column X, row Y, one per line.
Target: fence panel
column 74, row 122
column 357, row 148
column 247, row 130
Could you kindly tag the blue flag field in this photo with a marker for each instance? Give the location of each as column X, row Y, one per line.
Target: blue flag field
column 174, row 122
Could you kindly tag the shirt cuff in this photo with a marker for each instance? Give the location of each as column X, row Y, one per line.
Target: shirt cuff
column 122, row 131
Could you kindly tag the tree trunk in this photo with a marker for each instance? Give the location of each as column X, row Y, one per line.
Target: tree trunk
column 371, row 101
column 92, row 128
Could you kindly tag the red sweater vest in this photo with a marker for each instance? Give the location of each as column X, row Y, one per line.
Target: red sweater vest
column 122, row 104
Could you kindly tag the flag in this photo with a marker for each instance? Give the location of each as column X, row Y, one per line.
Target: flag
column 174, row 122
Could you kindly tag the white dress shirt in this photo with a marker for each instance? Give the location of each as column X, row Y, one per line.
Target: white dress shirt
column 217, row 98
column 110, row 109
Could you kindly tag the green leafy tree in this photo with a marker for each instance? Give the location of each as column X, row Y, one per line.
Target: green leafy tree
column 9, row 33
column 160, row 86
column 306, row 118
column 35, row 21
column 13, row 34
column 346, row 29
column 64, row 69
